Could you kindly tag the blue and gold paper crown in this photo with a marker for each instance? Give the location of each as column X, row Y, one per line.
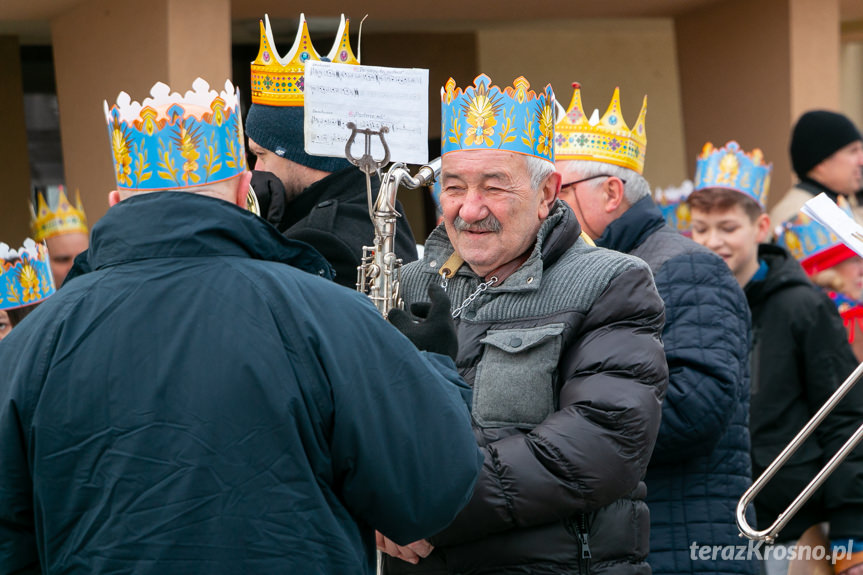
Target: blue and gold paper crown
column 171, row 141
column 731, row 168
column 53, row 214
column 279, row 81
column 607, row 139
column 25, row 275
column 484, row 117
column 813, row 245
column 672, row 203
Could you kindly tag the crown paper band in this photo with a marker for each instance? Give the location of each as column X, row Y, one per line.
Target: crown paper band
column 813, row 245
column 25, row 275
column 731, row 168
column 278, row 81
column 607, row 139
column 484, row 117
column 54, row 215
column 170, row 141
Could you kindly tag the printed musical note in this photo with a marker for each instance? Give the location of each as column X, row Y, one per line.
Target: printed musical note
column 370, row 97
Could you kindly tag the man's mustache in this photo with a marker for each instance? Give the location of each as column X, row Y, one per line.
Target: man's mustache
column 487, row 224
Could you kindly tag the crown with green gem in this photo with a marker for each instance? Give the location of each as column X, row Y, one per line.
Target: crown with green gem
column 25, row 275
column 171, row 141
column 484, row 117
column 607, row 139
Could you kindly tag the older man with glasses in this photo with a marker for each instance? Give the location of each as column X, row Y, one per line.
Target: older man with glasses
column 700, row 464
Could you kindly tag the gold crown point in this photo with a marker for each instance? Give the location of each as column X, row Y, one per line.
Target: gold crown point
column 613, row 117
column 341, row 52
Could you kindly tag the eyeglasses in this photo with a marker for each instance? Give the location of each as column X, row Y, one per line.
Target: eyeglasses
column 576, row 182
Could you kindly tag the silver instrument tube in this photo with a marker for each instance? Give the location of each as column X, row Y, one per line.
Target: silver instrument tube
column 769, row 534
column 379, row 273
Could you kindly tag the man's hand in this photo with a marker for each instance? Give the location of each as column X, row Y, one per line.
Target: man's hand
column 429, row 325
column 412, row 552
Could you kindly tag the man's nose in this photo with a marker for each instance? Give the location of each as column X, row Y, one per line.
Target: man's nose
column 473, row 208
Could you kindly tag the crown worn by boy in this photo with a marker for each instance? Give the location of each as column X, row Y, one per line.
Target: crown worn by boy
column 326, row 200
column 800, row 353
column 543, row 339
column 700, row 464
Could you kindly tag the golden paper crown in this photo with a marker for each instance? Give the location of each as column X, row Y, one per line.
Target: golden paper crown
column 278, row 81
column 608, row 139
column 55, row 215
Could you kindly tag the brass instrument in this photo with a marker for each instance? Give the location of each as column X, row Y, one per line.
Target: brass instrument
column 769, row 534
column 379, row 273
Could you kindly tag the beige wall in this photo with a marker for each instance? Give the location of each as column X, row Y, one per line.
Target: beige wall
column 15, row 189
column 752, row 84
column 102, row 47
column 636, row 54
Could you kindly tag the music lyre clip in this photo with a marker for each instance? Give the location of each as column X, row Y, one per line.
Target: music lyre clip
column 366, row 163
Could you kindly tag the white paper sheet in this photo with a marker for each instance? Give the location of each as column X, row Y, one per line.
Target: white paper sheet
column 825, row 211
column 370, row 97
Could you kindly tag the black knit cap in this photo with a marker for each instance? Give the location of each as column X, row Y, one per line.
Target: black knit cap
column 816, row 136
column 280, row 130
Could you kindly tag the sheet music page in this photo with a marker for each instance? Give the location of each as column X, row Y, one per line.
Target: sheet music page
column 825, row 211
column 370, row 97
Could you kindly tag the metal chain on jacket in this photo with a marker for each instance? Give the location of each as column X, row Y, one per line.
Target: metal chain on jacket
column 480, row 288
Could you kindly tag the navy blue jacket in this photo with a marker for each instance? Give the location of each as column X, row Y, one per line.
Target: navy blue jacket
column 195, row 405
column 700, row 465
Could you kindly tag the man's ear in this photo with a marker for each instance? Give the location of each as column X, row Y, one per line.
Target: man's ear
column 762, row 226
column 113, row 198
column 550, row 189
column 613, row 190
column 243, row 188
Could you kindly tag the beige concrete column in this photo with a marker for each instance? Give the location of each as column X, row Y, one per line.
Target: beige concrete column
column 102, row 47
column 851, row 85
column 749, row 68
column 15, row 191
column 814, row 55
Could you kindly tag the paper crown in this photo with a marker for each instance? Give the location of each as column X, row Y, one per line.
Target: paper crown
column 851, row 312
column 731, row 168
column 672, row 203
column 170, row 141
column 607, row 139
column 484, row 117
column 25, row 275
column 52, row 214
column 811, row 244
column 278, row 81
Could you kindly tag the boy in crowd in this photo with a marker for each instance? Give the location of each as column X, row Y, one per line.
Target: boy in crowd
column 800, row 355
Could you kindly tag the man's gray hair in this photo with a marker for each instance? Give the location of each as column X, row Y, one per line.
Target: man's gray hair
column 538, row 170
column 635, row 188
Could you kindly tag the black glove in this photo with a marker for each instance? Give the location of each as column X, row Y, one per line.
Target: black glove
column 429, row 325
column 271, row 198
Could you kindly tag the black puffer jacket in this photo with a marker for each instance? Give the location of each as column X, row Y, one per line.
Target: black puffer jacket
column 800, row 356
column 332, row 215
column 568, row 373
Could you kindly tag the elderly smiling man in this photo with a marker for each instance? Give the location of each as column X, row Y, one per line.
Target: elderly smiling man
column 559, row 340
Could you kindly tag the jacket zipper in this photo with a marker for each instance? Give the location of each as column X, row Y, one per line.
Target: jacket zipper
column 584, row 546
